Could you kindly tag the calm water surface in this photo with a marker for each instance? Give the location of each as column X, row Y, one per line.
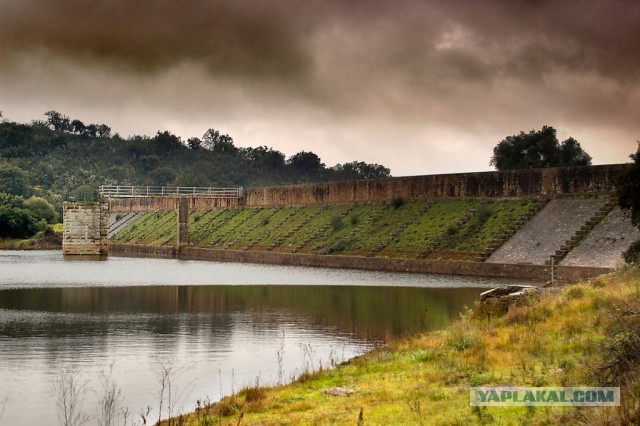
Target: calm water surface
column 215, row 326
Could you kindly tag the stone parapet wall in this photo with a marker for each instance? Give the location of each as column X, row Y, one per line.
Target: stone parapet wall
column 146, row 204
column 519, row 271
column 548, row 182
column 551, row 182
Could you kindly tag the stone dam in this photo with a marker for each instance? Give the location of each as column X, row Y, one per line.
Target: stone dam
column 521, row 224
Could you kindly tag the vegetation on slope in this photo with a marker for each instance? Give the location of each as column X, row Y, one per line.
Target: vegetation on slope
column 586, row 334
column 407, row 230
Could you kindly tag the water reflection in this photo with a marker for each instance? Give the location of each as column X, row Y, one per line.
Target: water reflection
column 371, row 313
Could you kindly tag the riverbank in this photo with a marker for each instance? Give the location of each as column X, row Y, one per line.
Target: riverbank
column 44, row 240
column 584, row 334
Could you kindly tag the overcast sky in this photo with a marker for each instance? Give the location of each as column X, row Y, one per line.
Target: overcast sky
column 419, row 86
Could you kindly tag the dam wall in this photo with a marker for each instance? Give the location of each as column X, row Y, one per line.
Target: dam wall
column 548, row 182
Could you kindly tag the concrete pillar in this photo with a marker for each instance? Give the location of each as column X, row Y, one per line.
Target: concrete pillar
column 183, row 222
column 84, row 229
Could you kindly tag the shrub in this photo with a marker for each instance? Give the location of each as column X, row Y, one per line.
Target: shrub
column 339, row 246
column 397, row 202
column 632, row 255
column 336, row 222
column 484, row 213
column 355, row 220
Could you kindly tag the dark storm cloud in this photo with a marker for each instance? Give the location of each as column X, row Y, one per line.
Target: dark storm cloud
column 431, row 70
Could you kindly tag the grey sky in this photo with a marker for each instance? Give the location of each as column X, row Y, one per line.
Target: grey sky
column 419, row 86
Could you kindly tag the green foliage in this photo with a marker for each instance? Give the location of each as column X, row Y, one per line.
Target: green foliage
column 42, row 209
column 336, row 222
column 16, row 219
column 397, row 202
column 61, row 154
column 14, row 180
column 632, row 254
column 628, row 188
column 84, row 193
column 538, row 148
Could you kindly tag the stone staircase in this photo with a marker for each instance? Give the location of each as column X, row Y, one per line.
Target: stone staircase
column 580, row 234
column 504, row 236
column 321, row 230
column 123, row 222
column 460, row 223
column 295, row 229
column 398, row 231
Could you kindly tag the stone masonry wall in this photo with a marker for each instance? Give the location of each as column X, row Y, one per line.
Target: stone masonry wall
column 516, row 183
column 549, row 182
column 85, row 229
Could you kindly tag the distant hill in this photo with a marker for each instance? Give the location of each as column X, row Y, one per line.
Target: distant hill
column 64, row 159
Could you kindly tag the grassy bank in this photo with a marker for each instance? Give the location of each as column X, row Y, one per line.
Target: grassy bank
column 45, row 240
column 584, row 334
column 447, row 229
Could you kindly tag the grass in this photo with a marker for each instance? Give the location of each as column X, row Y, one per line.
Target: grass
column 569, row 337
column 400, row 229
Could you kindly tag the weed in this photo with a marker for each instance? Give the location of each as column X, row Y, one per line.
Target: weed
column 70, row 392
column 253, row 394
column 397, row 202
column 462, row 341
column 339, row 246
column 452, row 229
column 483, row 415
column 111, row 398
column 575, row 292
column 355, row 219
column 422, row 355
column 279, row 357
column 483, row 213
column 336, row 222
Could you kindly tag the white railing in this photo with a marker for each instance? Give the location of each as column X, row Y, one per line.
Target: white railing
column 117, row 191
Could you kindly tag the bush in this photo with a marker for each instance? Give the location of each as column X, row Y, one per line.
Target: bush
column 338, row 246
column 484, row 213
column 397, row 202
column 336, row 222
column 632, row 255
column 42, row 209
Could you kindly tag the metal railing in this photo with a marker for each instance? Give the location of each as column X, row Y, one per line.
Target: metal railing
column 117, row 191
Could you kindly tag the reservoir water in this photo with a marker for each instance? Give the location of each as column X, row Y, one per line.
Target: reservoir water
column 211, row 327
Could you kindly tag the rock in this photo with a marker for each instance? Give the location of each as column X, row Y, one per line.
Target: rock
column 338, row 391
column 497, row 301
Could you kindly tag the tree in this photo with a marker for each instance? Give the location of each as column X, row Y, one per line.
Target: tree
column 360, row 170
column 628, row 186
column 58, row 122
column 306, row 162
column 162, row 176
column 194, row 143
column 192, row 179
column 538, row 149
column 16, row 221
column 41, row 209
column 216, row 142
column 78, row 127
column 167, row 142
column 263, row 158
column 14, row 180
